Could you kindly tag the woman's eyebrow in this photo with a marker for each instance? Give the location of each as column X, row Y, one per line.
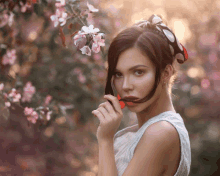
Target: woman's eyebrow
column 132, row 68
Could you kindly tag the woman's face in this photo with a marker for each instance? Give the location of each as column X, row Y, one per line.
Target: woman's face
column 136, row 82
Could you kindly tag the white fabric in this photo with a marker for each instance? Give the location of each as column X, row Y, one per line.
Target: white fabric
column 126, row 140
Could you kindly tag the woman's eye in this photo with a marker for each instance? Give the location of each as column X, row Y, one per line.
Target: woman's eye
column 139, row 71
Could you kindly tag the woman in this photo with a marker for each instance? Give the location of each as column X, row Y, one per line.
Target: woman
column 159, row 144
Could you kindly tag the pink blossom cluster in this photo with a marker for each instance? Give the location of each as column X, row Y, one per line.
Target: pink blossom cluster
column 24, row 7
column 9, row 57
column 60, row 15
column 45, row 114
column 96, row 38
column 5, row 18
column 32, row 115
column 89, row 35
column 28, row 92
column 14, row 96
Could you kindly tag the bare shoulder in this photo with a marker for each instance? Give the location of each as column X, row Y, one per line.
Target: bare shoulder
column 162, row 132
column 162, row 129
column 151, row 153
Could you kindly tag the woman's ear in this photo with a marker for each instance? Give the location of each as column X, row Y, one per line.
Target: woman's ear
column 167, row 73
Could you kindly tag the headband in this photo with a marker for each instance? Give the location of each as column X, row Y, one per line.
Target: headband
column 176, row 48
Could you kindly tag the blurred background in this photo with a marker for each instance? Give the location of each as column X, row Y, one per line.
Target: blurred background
column 72, row 84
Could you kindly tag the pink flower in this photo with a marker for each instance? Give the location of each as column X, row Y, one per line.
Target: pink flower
column 9, row 57
column 28, row 92
column 11, row 19
column 80, row 40
column 91, row 8
column 7, row 104
column 86, row 50
column 89, row 30
column 49, row 115
column 24, row 7
column 63, row 18
column 95, row 47
column 3, row 19
column 98, row 41
column 32, row 115
column 14, row 95
column 45, row 114
column 55, row 18
column 60, row 3
column 47, row 100
column 1, row 86
column 81, row 78
column 60, row 16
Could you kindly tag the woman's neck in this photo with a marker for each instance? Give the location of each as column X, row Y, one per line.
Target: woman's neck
column 162, row 104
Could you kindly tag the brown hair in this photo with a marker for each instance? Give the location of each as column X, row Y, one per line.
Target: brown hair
column 151, row 43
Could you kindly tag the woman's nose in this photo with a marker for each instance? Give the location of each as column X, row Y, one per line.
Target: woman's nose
column 127, row 84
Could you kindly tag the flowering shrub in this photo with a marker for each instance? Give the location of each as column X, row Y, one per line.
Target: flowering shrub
column 88, row 37
column 53, row 88
column 87, row 40
column 47, row 90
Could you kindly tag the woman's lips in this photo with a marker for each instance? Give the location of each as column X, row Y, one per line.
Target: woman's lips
column 128, row 100
column 130, row 103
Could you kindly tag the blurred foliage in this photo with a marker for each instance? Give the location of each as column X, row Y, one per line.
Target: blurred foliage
column 67, row 145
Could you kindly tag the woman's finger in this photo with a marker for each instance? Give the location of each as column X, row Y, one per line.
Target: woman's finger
column 115, row 103
column 99, row 115
column 109, row 107
column 105, row 113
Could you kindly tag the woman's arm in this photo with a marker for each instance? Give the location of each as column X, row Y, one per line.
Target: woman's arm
column 152, row 152
column 107, row 165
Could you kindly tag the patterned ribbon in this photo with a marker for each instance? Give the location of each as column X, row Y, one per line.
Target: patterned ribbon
column 177, row 49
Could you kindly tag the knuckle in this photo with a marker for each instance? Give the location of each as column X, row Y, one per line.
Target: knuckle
column 107, row 103
column 101, row 105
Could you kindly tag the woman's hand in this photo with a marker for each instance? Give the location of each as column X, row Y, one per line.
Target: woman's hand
column 110, row 118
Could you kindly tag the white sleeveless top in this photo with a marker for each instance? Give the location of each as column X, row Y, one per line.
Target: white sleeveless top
column 126, row 140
